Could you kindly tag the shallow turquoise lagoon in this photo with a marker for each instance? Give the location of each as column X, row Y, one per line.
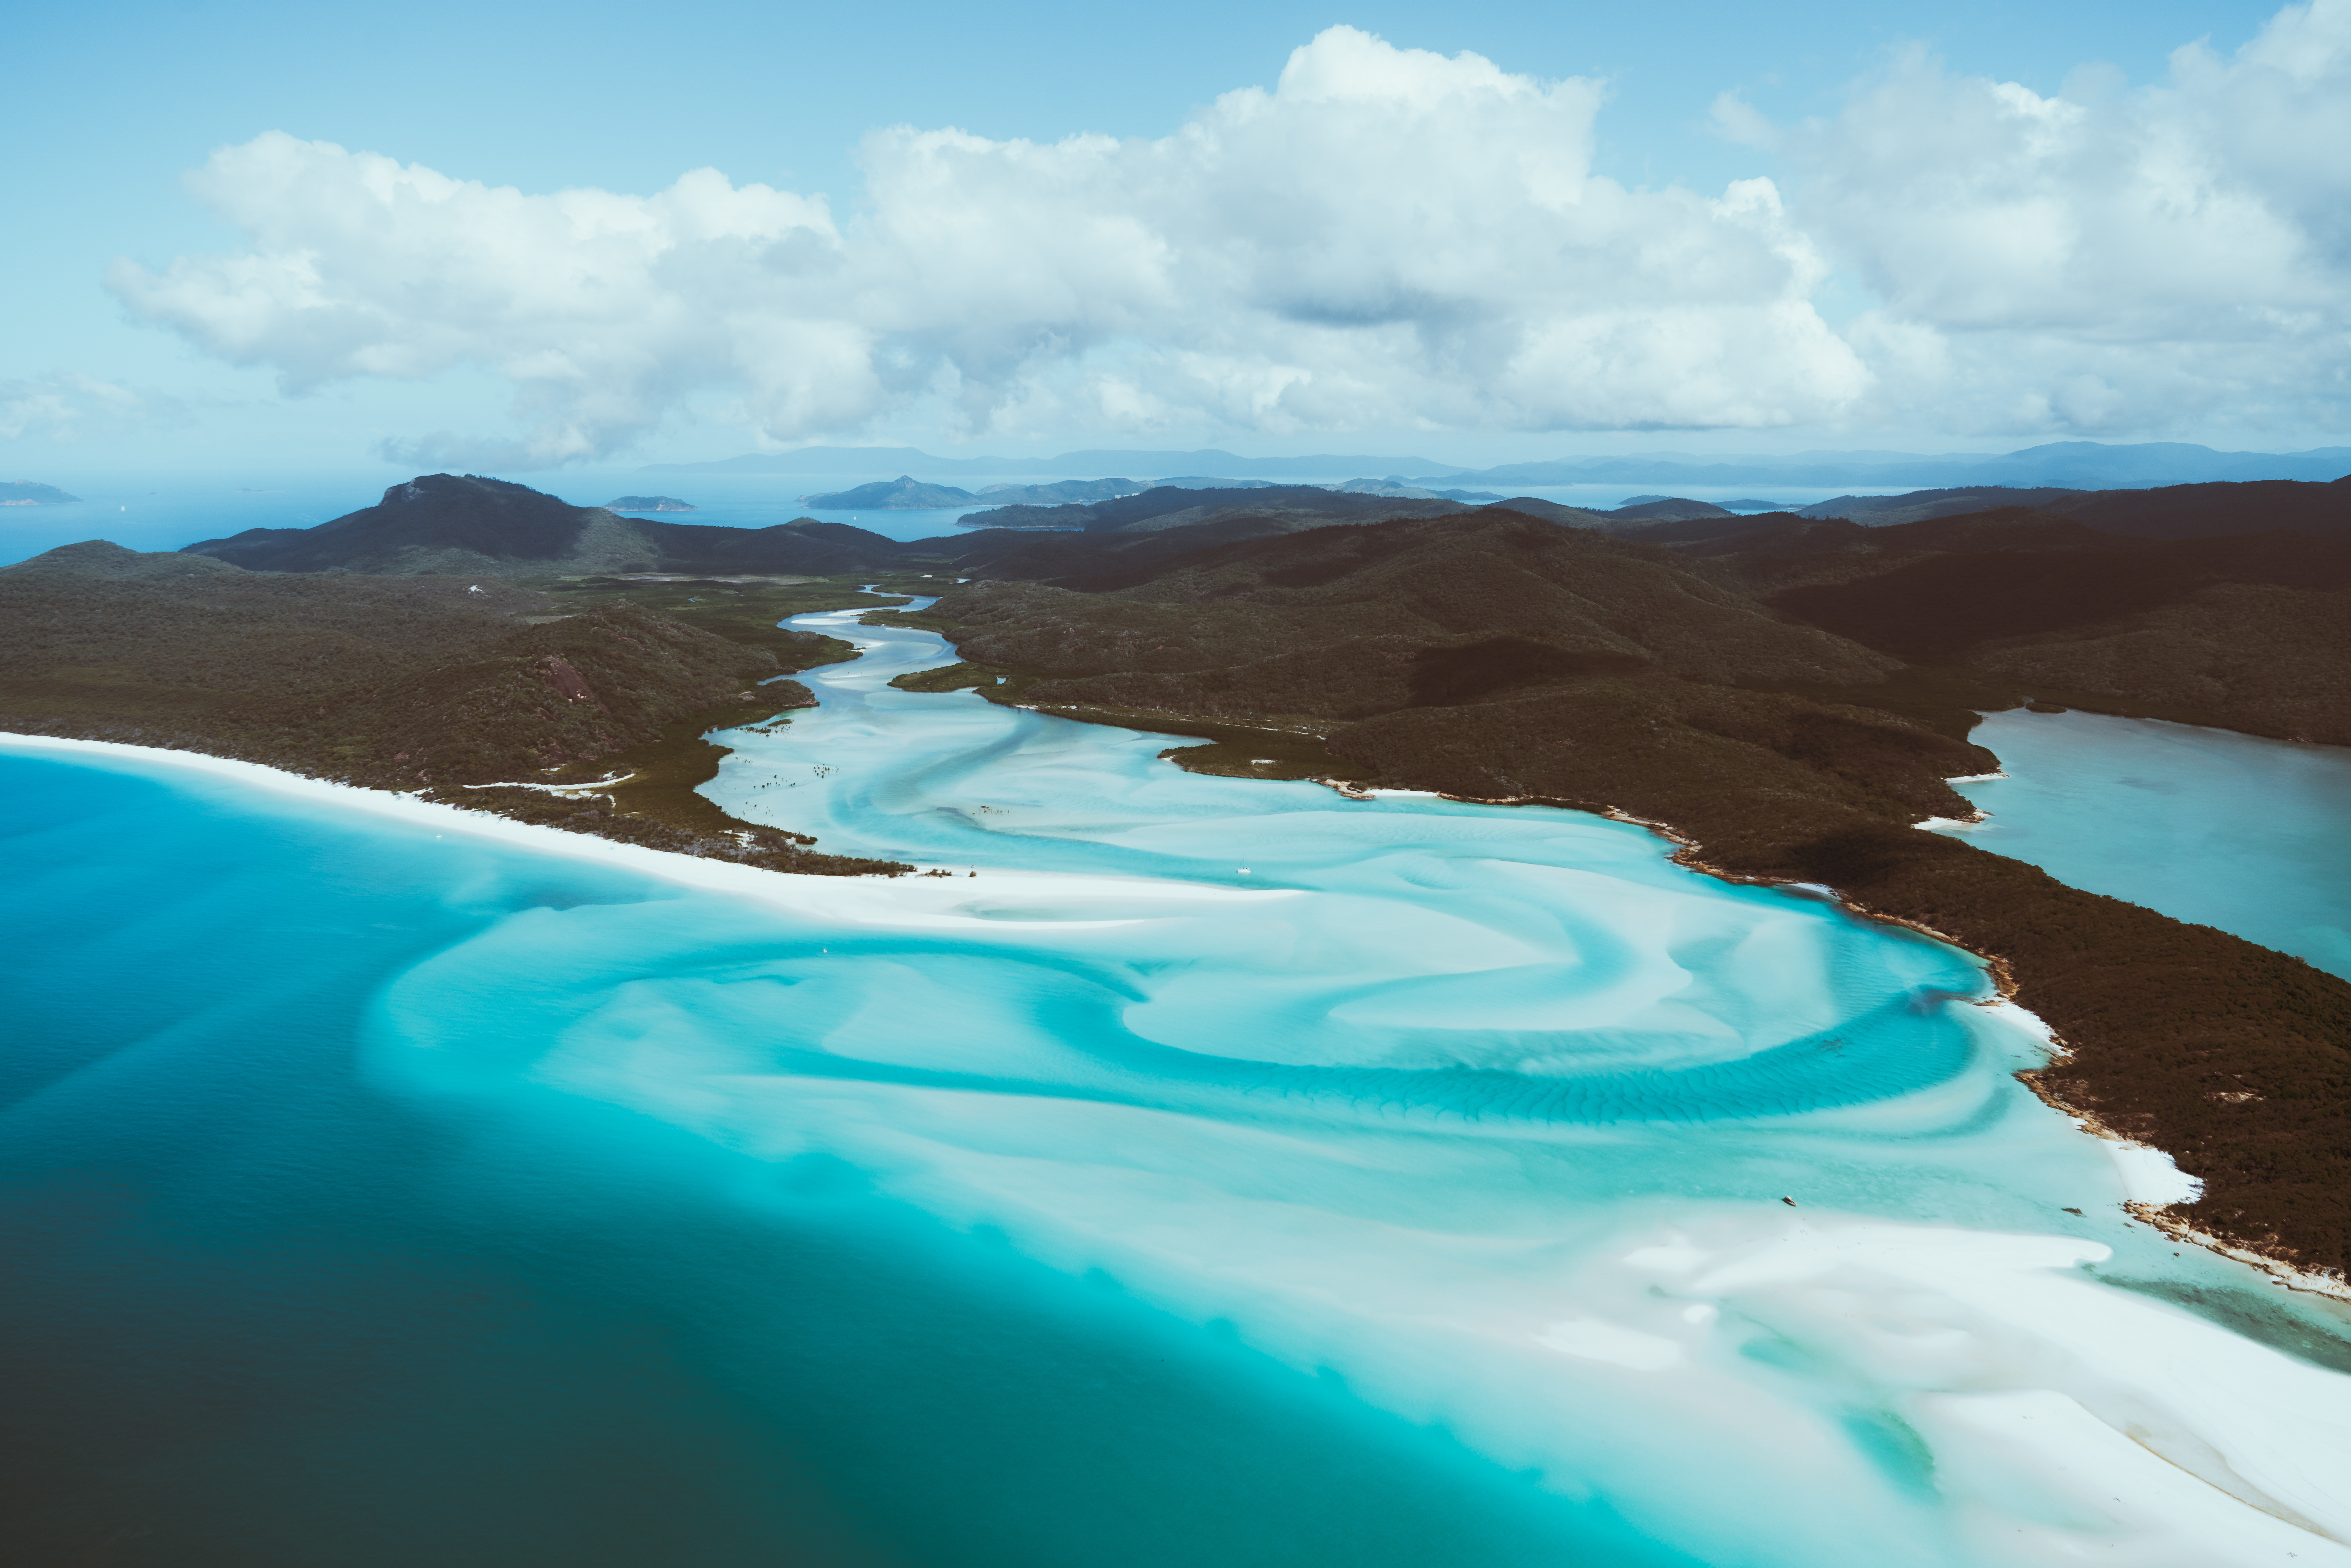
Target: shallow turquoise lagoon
column 2251, row 835
column 1227, row 1172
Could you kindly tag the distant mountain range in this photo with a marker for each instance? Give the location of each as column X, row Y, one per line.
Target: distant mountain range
column 880, row 460
column 446, row 523
column 2070, row 464
column 908, row 494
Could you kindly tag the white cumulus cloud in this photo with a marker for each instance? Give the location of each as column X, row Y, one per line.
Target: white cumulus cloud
column 2103, row 259
column 1388, row 237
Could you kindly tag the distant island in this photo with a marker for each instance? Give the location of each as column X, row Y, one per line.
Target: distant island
column 2087, row 465
column 1180, row 503
column 453, row 523
column 908, row 494
column 649, row 504
column 1403, row 489
column 1064, row 490
column 24, row 492
column 903, row 493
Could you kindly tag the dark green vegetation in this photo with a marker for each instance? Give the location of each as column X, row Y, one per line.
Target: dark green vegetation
column 1918, row 506
column 742, row 610
column 1236, row 751
column 1395, row 485
column 443, row 523
column 2197, row 511
column 2171, row 512
column 1189, row 503
column 1174, row 506
column 1058, row 491
column 947, row 678
column 423, row 684
column 649, row 504
column 25, row 493
column 1666, row 509
column 1787, row 698
column 903, row 493
column 2251, row 631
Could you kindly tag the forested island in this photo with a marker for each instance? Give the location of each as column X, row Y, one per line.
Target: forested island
column 907, row 494
column 1783, row 697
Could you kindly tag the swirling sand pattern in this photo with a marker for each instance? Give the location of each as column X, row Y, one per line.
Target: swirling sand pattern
column 1230, row 1172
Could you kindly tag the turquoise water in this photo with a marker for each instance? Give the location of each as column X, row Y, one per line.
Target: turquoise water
column 2251, row 835
column 1227, row 1172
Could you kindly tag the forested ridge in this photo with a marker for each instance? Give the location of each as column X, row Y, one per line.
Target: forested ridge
column 423, row 684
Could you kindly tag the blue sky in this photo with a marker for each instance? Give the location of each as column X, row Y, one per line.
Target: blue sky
column 1530, row 341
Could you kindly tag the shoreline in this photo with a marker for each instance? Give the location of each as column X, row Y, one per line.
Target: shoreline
column 2023, row 1282
column 799, row 891
column 1686, row 852
column 415, row 810
column 2156, row 1216
column 805, row 892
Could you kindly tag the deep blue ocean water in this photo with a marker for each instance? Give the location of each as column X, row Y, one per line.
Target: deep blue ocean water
column 1227, row 1172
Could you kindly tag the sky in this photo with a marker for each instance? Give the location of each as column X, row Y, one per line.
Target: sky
column 513, row 238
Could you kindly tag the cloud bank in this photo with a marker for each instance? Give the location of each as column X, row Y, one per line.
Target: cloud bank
column 1388, row 239
column 2104, row 260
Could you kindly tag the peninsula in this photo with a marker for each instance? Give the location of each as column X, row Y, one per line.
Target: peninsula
column 579, row 704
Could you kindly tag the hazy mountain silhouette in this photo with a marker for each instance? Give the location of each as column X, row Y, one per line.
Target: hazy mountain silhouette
column 452, row 523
